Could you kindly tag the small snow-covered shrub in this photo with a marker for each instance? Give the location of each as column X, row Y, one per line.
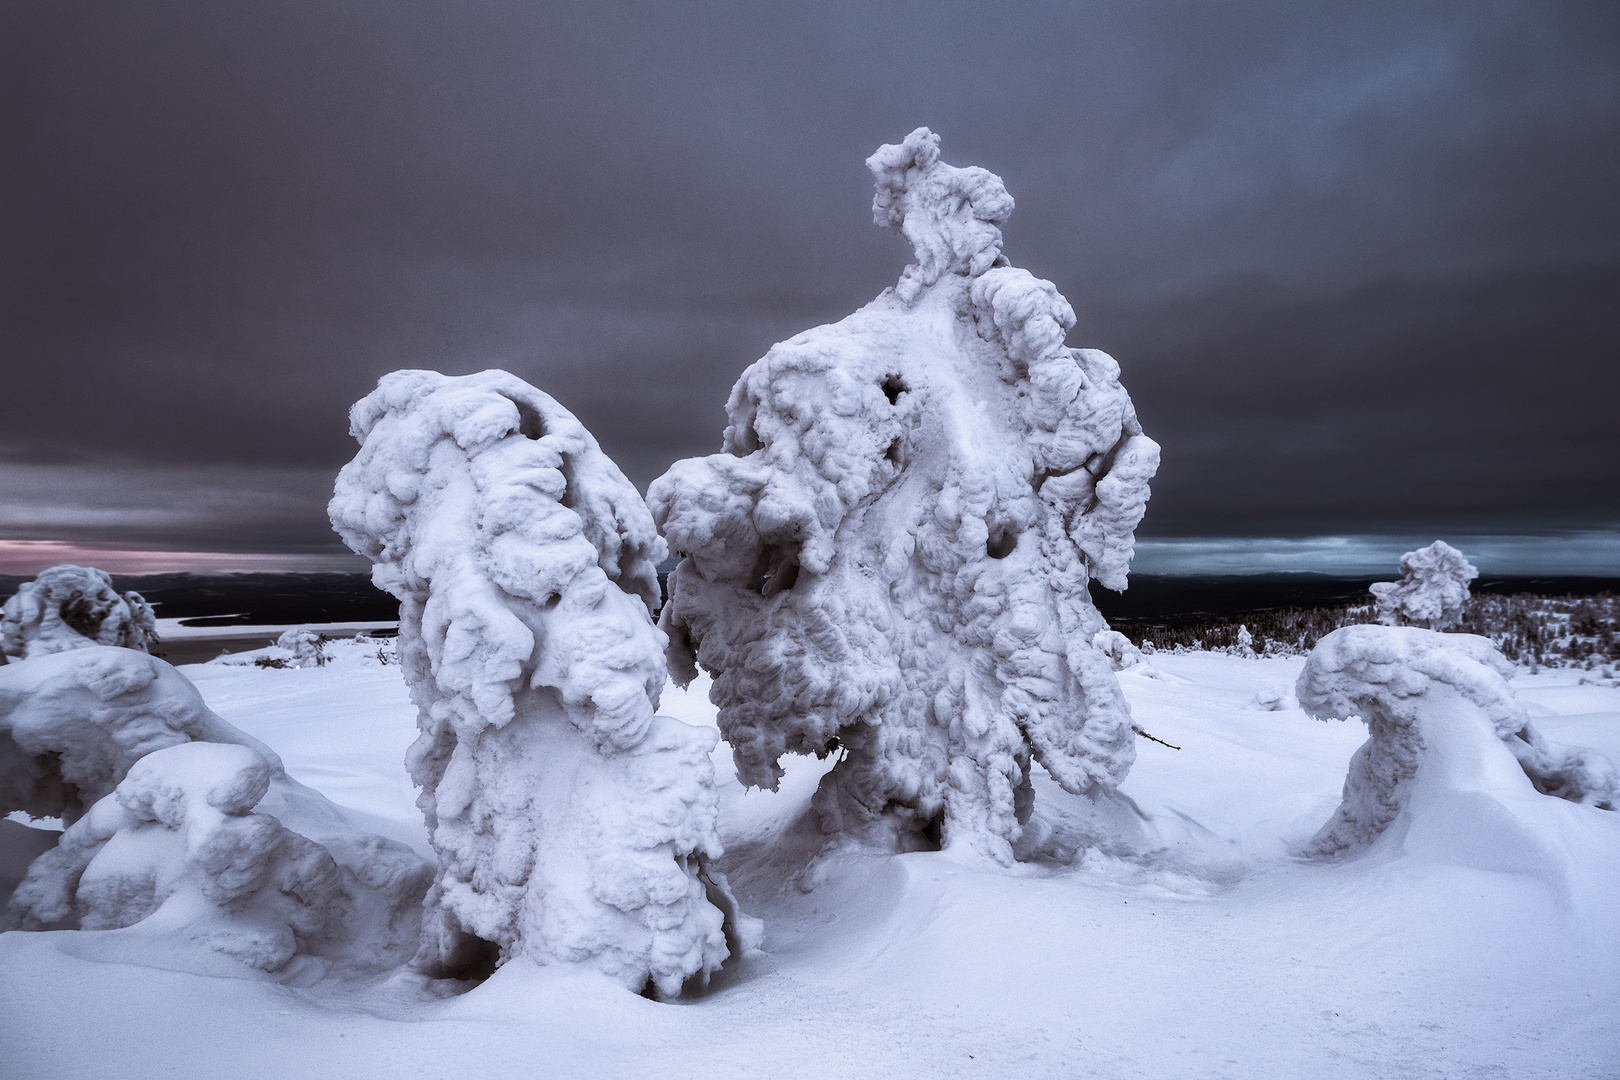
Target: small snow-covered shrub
column 70, row 607
column 178, row 838
column 121, row 747
column 1442, row 724
column 73, row 723
column 307, row 647
column 1433, row 589
column 890, row 558
column 571, row 821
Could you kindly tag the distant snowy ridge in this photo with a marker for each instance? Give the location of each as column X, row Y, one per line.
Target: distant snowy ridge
column 889, row 559
column 571, row 822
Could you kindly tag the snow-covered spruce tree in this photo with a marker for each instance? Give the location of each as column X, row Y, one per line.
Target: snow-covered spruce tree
column 69, row 607
column 1447, row 739
column 170, row 808
column 1433, row 589
column 890, row 559
column 571, row 822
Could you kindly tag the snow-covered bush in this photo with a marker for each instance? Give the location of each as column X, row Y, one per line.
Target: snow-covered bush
column 1433, row 589
column 1273, row 699
column 1118, row 648
column 1445, row 730
column 73, row 723
column 178, row 835
column 890, row 559
column 70, row 607
column 571, row 821
column 306, row 646
column 121, row 747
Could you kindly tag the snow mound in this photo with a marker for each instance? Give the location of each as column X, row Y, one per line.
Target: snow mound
column 70, row 607
column 1451, row 753
column 177, row 849
column 121, row 747
column 890, row 558
column 1433, row 589
column 571, row 822
column 73, row 723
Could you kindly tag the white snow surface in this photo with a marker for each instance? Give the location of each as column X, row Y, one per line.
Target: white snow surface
column 1452, row 762
column 889, row 561
column 187, row 845
column 1433, row 589
column 70, row 607
column 570, row 821
column 1211, row 952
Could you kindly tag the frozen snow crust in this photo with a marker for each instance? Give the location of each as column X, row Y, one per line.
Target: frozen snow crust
column 187, row 830
column 571, row 822
column 70, row 607
column 890, row 559
column 1452, row 758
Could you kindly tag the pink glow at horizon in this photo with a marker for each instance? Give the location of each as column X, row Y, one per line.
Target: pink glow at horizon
column 28, row 557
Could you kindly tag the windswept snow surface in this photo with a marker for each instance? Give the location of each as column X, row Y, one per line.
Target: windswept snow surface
column 1210, row 950
column 889, row 560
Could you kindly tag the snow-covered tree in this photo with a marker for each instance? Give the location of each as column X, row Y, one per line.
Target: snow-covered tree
column 1446, row 736
column 890, row 559
column 571, row 821
column 170, row 807
column 1433, row 589
column 70, row 607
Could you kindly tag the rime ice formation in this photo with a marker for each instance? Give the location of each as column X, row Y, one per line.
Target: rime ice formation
column 159, row 796
column 69, row 607
column 1433, row 589
column 571, row 821
column 1448, row 741
column 890, row 558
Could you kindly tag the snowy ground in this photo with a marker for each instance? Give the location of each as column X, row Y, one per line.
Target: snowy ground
column 1220, row 955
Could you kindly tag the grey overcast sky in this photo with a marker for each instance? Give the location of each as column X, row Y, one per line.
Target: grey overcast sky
column 1360, row 263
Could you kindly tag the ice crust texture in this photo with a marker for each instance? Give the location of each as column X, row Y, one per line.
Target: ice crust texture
column 1446, row 737
column 186, row 829
column 1433, row 589
column 890, row 559
column 70, row 607
column 571, row 822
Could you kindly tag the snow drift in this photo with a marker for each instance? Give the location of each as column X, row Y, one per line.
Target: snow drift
column 1451, row 757
column 1433, row 589
column 185, row 828
column 571, row 821
column 890, row 559
column 70, row 607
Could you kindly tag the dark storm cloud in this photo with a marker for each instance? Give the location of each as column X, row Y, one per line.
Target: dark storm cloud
column 1359, row 264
